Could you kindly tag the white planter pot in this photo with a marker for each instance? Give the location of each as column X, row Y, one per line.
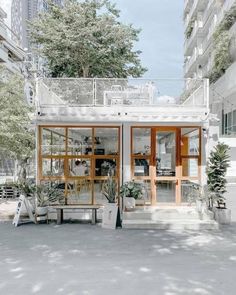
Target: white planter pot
column 222, row 216
column 110, row 215
column 129, row 203
column 41, row 211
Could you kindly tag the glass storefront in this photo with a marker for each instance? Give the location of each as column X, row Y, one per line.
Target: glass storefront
column 81, row 159
column 165, row 160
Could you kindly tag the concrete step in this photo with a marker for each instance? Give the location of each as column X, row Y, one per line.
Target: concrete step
column 170, row 224
column 168, row 214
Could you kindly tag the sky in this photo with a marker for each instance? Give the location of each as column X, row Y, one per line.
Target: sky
column 161, row 38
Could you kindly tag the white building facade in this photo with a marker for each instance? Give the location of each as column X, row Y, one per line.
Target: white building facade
column 210, row 52
column 138, row 128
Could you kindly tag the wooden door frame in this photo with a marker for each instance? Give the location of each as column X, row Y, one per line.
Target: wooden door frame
column 178, row 170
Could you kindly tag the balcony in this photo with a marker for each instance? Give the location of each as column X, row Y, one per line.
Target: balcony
column 117, row 100
column 189, row 43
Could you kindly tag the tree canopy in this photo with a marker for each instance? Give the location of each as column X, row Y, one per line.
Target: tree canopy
column 86, row 39
column 16, row 139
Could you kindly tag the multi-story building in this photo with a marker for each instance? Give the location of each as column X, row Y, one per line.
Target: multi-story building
column 210, row 52
column 11, row 54
column 23, row 11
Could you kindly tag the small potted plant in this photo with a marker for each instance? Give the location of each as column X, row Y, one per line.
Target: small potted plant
column 131, row 191
column 216, row 181
column 46, row 195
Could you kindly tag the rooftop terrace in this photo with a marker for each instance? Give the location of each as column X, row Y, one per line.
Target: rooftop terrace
column 57, row 98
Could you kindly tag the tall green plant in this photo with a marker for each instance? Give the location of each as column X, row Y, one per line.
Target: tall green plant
column 216, row 173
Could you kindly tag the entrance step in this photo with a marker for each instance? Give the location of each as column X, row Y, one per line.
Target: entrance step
column 156, row 214
column 170, row 224
column 168, row 218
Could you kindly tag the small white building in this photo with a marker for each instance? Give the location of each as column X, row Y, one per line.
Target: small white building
column 138, row 127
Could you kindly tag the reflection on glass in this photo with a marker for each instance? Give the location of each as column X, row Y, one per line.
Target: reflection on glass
column 104, row 167
column 141, row 167
column 166, row 154
column 189, row 191
column 53, row 167
column 106, row 141
column 141, row 141
column 53, row 141
column 146, row 193
column 189, row 141
column 99, row 187
column 79, row 191
column 165, row 191
column 79, row 141
column 79, row 167
column 190, row 167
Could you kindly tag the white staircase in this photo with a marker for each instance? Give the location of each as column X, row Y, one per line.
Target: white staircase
column 168, row 218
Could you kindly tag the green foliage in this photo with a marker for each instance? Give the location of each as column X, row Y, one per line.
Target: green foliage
column 222, row 58
column 216, row 172
column 16, row 139
column 86, row 39
column 47, row 195
column 109, row 189
column 131, row 189
column 189, row 29
column 44, row 195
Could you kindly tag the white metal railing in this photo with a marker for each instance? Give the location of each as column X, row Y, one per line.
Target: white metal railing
column 97, row 92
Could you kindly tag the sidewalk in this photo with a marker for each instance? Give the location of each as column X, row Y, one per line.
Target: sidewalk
column 82, row 259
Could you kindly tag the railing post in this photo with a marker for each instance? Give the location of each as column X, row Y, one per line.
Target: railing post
column 94, row 92
column 206, row 92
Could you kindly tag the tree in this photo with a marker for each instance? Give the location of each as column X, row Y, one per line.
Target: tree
column 86, row 39
column 16, row 139
column 216, row 171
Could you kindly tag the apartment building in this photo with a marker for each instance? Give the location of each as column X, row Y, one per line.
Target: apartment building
column 23, row 11
column 11, row 54
column 210, row 52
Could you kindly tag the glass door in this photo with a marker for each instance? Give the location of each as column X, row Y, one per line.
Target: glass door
column 165, row 163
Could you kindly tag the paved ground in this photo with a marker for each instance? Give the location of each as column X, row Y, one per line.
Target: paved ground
column 83, row 259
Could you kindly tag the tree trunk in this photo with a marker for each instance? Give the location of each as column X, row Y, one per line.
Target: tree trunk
column 85, row 71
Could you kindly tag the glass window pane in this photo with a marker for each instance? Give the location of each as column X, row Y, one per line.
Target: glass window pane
column 98, row 192
column 106, row 141
column 141, row 141
column 141, row 167
column 189, row 141
column 165, row 191
column 105, row 166
column 53, row 167
column 166, row 154
column 190, row 167
column 79, row 167
column 53, row 141
column 146, row 193
column 80, row 141
column 79, row 191
column 189, row 191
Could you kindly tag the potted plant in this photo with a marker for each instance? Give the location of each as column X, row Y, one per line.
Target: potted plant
column 109, row 189
column 47, row 195
column 111, row 213
column 131, row 191
column 216, row 180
